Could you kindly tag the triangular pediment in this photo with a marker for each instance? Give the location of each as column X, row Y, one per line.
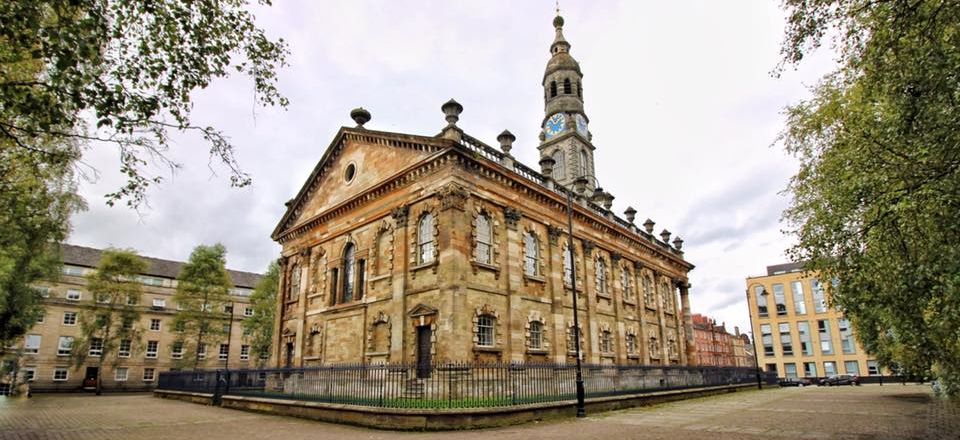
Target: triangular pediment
column 356, row 161
column 422, row 310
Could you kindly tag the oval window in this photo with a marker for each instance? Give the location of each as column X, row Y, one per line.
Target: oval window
column 349, row 173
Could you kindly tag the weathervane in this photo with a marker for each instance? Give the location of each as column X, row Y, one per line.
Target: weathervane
column 558, row 7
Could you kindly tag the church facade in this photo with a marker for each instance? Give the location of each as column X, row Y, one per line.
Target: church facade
column 430, row 249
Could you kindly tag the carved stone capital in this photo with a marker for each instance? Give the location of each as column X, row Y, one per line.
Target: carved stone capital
column 511, row 216
column 401, row 215
column 588, row 247
column 452, row 195
column 553, row 234
column 615, row 257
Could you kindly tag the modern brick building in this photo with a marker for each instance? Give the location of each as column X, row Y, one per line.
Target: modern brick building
column 796, row 333
column 427, row 249
column 44, row 356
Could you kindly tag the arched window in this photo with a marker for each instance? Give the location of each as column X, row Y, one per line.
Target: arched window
column 531, row 254
column 349, row 273
column 481, row 251
column 486, row 330
column 606, row 341
column 627, row 284
column 666, row 297
column 601, row 276
column 631, row 344
column 567, row 267
column 566, row 87
column 648, row 297
column 572, row 335
column 584, row 164
column 293, row 290
column 654, row 347
column 425, row 243
column 553, row 89
column 536, row 335
column 579, row 90
column 559, row 168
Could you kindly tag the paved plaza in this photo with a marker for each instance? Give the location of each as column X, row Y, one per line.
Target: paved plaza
column 865, row 412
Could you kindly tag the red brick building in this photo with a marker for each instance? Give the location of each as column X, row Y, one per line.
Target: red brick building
column 714, row 343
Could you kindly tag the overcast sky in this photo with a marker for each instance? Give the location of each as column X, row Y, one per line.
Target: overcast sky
column 683, row 110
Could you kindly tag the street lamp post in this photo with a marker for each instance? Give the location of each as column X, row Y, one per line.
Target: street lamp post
column 226, row 361
column 581, row 405
column 756, row 359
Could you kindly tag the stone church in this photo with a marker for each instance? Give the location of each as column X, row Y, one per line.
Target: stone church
column 403, row 248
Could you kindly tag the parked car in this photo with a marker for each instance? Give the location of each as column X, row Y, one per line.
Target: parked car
column 795, row 382
column 841, row 379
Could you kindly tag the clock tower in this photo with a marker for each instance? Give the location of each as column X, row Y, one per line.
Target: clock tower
column 565, row 136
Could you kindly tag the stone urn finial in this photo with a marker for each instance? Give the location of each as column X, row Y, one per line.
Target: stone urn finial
column 452, row 110
column 665, row 235
column 630, row 213
column 360, row 115
column 546, row 166
column 678, row 243
column 506, row 141
column 648, row 225
column 608, row 200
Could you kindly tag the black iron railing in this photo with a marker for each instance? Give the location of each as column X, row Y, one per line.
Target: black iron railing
column 456, row 385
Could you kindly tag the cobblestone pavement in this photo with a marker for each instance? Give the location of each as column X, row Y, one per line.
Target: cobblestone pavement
column 865, row 412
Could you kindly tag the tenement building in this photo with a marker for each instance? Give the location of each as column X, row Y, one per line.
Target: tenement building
column 406, row 248
column 714, row 344
column 43, row 360
column 797, row 333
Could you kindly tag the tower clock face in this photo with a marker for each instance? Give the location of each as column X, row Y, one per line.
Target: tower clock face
column 581, row 125
column 555, row 125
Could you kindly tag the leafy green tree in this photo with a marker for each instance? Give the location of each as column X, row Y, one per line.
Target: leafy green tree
column 876, row 200
column 122, row 72
column 108, row 324
column 203, row 293
column 259, row 327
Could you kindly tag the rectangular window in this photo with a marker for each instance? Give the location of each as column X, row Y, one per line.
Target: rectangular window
column 202, row 351
column 224, row 352
column 334, row 282
column 806, row 346
column 786, row 342
column 123, row 350
column 826, row 344
column 73, row 295
column 43, row 314
column 852, row 367
column 810, row 369
column 64, row 345
column 829, row 368
column 225, row 327
column 60, row 374
column 29, row 374
column 120, row 374
column 159, row 303
column 847, row 344
column 780, row 299
column 148, row 374
column 103, row 298
column 96, row 347
column 155, row 325
column 790, row 370
column 228, row 308
column 799, row 299
column 761, row 298
column 74, row 271
column 69, row 318
column 176, row 351
column 132, row 300
column 485, row 327
column 819, row 298
column 766, row 335
column 361, row 278
column 31, row 344
column 247, row 311
column 872, row 367
column 152, row 348
column 44, row 292
column 244, row 352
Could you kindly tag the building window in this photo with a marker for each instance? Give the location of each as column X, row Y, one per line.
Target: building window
column 123, row 349
column 847, row 344
column 761, row 295
column 567, row 87
column 176, row 351
column 790, row 370
column 627, row 284
column 43, row 314
column 226, row 327
column 224, row 352
column 579, row 90
column 648, row 297
column 666, row 293
column 559, row 169
column 64, row 346
column 149, row 374
column 60, row 374
column 872, row 367
column 531, row 257
column 852, row 367
column 425, row 236
column 132, row 300
column 349, row 272
column 29, row 374
column 103, row 298
column 69, row 318
column 826, row 344
column 381, row 264
column 653, row 347
column 572, row 338
column 159, row 303
column 780, row 299
column 809, row 369
column 829, row 368
column 244, row 352
column 567, row 267
column 120, row 374
column 202, row 351
column 601, row 269
column 766, row 335
column 73, row 295
column 334, row 285
column 44, row 292
column 819, row 297
column 152, row 348
column 361, row 278
column 786, row 343
column 248, row 311
column 96, row 347
column 631, row 344
column 606, row 341
column 155, row 325
column 293, row 290
column 806, row 346
column 583, row 163
column 31, row 344
column 536, row 335
column 481, row 251
column 485, row 330
column 799, row 299
column 179, row 326
column 553, row 89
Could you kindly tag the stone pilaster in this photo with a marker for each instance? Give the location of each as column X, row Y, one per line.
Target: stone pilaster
column 691, row 346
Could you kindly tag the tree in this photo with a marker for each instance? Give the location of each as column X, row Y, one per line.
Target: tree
column 202, row 296
column 259, row 327
column 108, row 325
column 122, row 73
column 875, row 202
